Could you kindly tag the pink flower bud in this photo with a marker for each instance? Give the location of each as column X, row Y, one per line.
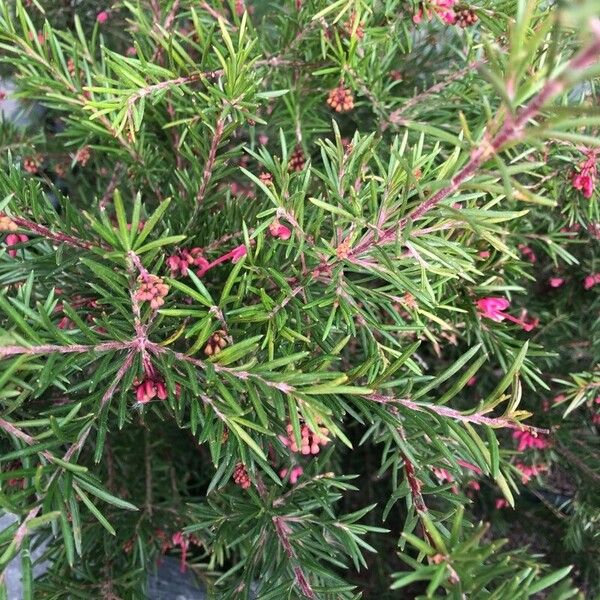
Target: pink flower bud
column 102, row 17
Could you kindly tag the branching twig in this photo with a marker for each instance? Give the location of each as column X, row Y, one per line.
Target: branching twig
column 283, row 532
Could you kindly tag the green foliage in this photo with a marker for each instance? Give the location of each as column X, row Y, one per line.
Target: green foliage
column 216, row 268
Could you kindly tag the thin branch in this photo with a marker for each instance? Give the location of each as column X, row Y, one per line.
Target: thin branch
column 283, row 531
column 451, row 413
column 56, row 349
column 112, row 186
column 395, row 116
column 210, row 161
column 242, row 375
column 61, row 238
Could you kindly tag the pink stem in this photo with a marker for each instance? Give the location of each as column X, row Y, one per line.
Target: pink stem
column 55, row 349
column 444, row 411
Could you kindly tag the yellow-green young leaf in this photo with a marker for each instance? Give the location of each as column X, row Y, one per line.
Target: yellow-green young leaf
column 508, row 377
column 151, row 223
column 121, row 220
column 505, row 489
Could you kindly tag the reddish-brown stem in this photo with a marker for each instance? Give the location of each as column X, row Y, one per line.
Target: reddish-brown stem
column 273, row 62
column 414, row 486
column 16, row 432
column 210, row 161
column 112, row 186
column 61, row 238
column 283, row 532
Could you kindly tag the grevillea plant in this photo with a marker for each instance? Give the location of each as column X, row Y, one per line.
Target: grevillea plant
column 302, row 292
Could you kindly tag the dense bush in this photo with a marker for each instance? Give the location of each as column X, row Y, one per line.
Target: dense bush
column 304, row 292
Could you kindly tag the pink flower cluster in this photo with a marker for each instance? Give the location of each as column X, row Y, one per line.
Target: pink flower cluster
column 529, row 471
column 151, row 289
column 584, row 179
column 556, row 282
column 528, row 440
column 310, row 441
column 180, row 262
column 441, row 8
column 588, row 283
column 150, row 388
column 241, row 477
column 14, row 239
column 295, row 474
column 493, row 308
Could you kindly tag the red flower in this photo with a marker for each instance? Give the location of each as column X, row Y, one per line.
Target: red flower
column 442, row 8
column 280, row 231
column 529, row 440
column 150, row 388
column 241, row 477
column 493, row 308
column 584, row 180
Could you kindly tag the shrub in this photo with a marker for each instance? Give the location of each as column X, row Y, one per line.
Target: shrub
column 303, row 292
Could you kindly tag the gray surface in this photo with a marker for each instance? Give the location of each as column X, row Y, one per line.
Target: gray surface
column 166, row 583
column 14, row 111
column 12, row 575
